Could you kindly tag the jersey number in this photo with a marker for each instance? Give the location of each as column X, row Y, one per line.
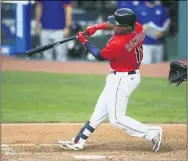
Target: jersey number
column 139, row 53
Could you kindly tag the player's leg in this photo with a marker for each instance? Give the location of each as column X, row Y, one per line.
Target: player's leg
column 147, row 54
column 159, row 53
column 61, row 51
column 117, row 106
column 99, row 115
column 45, row 39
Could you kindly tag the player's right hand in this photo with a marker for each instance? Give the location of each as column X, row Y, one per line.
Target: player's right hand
column 81, row 36
column 91, row 30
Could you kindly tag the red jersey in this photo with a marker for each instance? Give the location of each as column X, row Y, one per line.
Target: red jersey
column 125, row 52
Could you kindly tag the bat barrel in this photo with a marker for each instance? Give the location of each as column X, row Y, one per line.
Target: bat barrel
column 46, row 47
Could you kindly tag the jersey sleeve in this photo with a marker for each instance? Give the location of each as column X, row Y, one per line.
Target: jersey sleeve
column 111, row 50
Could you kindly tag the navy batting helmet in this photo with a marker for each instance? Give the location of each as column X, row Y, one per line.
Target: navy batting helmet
column 123, row 17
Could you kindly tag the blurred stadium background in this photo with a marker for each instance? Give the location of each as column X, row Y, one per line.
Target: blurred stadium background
column 18, row 24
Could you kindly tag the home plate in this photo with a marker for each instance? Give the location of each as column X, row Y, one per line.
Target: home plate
column 85, row 157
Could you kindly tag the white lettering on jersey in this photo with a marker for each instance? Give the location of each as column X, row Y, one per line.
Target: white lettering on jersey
column 133, row 42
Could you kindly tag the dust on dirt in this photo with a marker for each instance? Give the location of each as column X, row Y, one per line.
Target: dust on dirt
column 38, row 142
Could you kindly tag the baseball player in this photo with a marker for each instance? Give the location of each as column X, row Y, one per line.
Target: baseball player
column 124, row 53
column 155, row 15
column 53, row 19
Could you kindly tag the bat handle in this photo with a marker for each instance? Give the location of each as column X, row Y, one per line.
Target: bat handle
column 86, row 34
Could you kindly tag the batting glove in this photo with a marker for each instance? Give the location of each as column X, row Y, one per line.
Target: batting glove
column 92, row 29
column 81, row 37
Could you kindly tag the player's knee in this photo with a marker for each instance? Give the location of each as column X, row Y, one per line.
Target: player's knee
column 116, row 124
column 113, row 121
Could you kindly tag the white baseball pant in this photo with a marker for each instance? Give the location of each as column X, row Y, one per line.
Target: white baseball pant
column 49, row 36
column 113, row 102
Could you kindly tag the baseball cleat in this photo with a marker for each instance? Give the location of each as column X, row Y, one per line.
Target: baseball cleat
column 74, row 146
column 62, row 144
column 70, row 145
column 157, row 140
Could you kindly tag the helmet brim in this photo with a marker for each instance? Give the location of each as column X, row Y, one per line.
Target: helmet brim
column 112, row 20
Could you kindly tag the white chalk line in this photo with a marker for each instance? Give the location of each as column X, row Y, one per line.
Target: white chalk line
column 7, row 148
column 15, row 145
column 37, row 144
column 77, row 157
column 29, row 153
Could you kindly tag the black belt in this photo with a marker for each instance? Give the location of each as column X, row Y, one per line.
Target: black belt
column 129, row 73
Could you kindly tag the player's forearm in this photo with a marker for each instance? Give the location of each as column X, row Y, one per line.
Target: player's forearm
column 91, row 48
column 100, row 26
column 94, row 51
column 104, row 26
column 68, row 14
column 109, row 26
column 38, row 12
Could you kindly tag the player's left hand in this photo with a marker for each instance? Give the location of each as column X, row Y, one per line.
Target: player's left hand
column 158, row 34
column 81, row 37
column 145, row 27
column 66, row 31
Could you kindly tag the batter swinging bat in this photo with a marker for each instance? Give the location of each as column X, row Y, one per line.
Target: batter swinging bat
column 47, row 47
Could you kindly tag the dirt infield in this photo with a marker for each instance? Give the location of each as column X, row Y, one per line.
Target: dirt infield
column 75, row 67
column 38, row 142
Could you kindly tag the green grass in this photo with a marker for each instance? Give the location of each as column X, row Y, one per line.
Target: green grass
column 48, row 97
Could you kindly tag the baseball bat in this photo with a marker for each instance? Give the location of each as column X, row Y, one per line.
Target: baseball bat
column 46, row 47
